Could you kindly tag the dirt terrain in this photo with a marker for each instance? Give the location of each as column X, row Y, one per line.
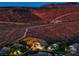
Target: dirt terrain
column 50, row 20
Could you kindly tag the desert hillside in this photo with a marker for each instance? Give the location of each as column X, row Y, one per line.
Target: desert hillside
column 61, row 20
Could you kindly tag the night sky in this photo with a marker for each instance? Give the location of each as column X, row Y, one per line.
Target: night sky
column 26, row 4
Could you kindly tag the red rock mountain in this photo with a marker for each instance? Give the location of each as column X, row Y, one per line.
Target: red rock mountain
column 59, row 20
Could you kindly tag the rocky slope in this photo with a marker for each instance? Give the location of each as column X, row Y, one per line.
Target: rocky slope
column 57, row 21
